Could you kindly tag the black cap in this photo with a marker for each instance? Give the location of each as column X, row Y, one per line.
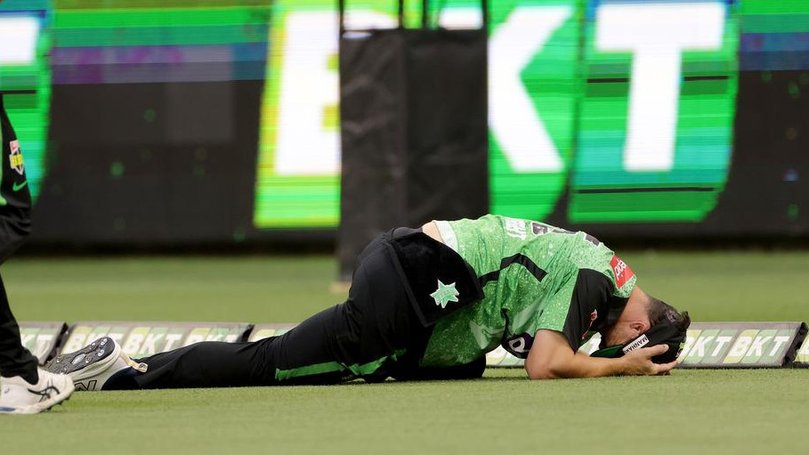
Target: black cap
column 670, row 330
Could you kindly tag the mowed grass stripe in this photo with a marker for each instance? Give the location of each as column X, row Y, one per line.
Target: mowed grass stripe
column 722, row 412
column 713, row 286
column 726, row 412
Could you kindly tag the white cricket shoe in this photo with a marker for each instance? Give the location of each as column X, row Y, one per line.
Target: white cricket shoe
column 18, row 396
column 91, row 366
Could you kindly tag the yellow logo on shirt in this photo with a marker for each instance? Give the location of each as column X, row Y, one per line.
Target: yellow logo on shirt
column 15, row 157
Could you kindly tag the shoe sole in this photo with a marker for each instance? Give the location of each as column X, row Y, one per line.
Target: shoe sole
column 98, row 354
column 87, row 364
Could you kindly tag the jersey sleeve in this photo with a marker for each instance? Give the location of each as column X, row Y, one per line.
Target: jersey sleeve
column 577, row 306
column 623, row 277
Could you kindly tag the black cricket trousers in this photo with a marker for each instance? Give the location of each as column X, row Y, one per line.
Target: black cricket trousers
column 15, row 225
column 373, row 335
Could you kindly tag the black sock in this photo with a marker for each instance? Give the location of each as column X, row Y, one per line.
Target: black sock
column 32, row 377
column 122, row 380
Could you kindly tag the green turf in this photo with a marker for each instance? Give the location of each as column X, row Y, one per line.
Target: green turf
column 261, row 289
column 688, row 412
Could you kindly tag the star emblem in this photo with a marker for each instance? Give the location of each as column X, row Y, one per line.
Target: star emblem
column 444, row 294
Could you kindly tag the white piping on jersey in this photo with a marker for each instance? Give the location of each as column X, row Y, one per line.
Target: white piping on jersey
column 447, row 234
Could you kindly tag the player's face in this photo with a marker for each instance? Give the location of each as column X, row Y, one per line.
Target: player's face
column 633, row 321
column 621, row 332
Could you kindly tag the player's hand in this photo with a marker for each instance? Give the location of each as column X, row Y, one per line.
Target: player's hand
column 639, row 362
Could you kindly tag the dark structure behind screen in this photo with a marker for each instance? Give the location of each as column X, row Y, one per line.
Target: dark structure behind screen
column 414, row 141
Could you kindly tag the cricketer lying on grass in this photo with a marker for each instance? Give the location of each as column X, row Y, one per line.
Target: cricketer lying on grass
column 429, row 303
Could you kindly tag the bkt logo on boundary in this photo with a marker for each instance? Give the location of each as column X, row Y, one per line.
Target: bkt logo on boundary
column 803, row 352
column 139, row 340
column 736, row 347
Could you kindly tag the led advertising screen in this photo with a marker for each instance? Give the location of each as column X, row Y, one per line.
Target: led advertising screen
column 218, row 120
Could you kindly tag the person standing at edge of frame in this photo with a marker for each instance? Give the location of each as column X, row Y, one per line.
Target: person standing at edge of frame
column 24, row 387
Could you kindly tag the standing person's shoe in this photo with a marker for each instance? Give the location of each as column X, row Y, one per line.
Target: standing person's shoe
column 18, row 396
column 91, row 366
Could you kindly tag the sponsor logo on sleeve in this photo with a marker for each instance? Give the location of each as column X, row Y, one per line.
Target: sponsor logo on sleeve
column 15, row 157
column 622, row 271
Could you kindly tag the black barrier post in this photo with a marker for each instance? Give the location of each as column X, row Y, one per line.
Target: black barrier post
column 413, row 129
column 425, row 11
column 341, row 11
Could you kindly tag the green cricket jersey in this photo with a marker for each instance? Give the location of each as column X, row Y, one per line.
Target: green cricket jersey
column 534, row 276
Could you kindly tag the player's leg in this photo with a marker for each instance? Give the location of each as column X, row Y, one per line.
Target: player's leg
column 371, row 335
column 103, row 366
column 23, row 385
column 359, row 338
column 15, row 360
column 15, row 197
column 362, row 337
column 15, row 224
column 335, row 344
column 263, row 362
column 304, row 355
column 24, row 388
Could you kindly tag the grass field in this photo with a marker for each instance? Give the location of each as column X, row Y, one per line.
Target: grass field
column 690, row 411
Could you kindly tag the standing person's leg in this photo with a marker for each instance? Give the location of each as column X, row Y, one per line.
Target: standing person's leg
column 15, row 360
column 25, row 389
column 15, row 224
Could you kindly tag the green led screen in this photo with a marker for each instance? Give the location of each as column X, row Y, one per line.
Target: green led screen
column 298, row 183
column 25, row 79
column 656, row 122
column 616, row 112
column 127, row 41
column 534, row 85
column 559, row 116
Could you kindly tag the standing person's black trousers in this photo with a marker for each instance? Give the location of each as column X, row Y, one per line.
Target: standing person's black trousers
column 375, row 334
column 15, row 225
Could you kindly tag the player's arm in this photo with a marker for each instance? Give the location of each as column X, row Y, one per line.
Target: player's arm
column 552, row 357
